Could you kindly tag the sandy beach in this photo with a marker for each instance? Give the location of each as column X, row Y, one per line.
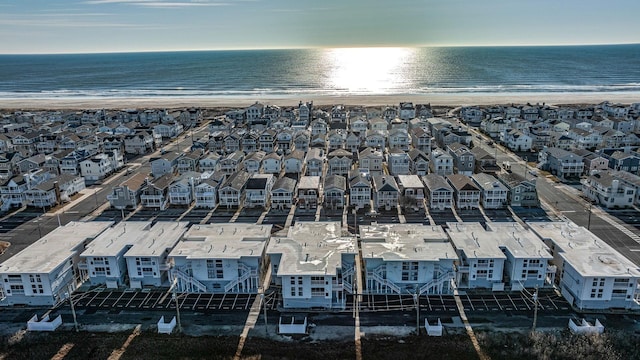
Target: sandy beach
column 363, row 100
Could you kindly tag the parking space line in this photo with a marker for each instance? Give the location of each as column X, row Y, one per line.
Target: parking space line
column 119, row 297
column 105, row 299
column 470, row 302
column 144, row 300
column 91, row 300
column 130, row 300
column 196, row 302
column 497, row 302
column 222, row 300
column 553, row 303
column 512, row 302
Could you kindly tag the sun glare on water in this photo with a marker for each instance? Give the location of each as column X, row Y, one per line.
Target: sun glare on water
column 367, row 70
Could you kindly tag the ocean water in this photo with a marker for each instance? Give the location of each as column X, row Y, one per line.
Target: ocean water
column 309, row 72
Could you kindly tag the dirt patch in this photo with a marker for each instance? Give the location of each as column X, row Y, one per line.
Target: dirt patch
column 4, row 245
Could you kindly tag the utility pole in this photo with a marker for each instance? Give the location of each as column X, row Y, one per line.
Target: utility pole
column 264, row 309
column 416, row 298
column 73, row 309
column 589, row 219
column 175, row 297
column 535, row 309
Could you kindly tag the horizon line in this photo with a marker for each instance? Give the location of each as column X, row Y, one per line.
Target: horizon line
column 315, row 48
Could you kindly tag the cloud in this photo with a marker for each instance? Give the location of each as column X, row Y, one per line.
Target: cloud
column 158, row 4
column 63, row 22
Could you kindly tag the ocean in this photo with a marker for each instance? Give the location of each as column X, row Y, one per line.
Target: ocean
column 309, row 72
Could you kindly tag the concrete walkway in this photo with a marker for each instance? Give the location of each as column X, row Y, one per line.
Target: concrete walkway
column 254, row 313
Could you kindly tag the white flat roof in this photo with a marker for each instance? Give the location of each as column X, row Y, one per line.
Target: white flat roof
column 129, row 233
column 309, row 182
column 312, row 248
column 474, row 241
column 153, row 242
column 53, row 249
column 405, row 242
column 223, row 241
column 410, row 181
column 584, row 251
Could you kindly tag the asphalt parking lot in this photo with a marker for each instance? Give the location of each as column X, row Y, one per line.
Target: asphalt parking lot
column 160, row 300
column 627, row 216
column 499, row 215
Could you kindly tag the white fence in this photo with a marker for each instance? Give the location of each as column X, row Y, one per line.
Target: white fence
column 433, row 330
column 166, row 328
column 44, row 324
column 291, row 324
column 585, row 327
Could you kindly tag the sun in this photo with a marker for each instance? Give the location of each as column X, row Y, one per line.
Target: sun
column 367, row 70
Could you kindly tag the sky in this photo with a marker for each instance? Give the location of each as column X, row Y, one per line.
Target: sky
column 72, row 26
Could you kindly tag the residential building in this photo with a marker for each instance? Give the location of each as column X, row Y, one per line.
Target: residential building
column 441, row 163
column 438, row 191
column 46, row 272
column 182, row 189
column 359, row 191
column 419, row 162
column 385, row 192
column 522, row 192
column 398, row 162
column 464, row 161
column 407, row 259
column 339, row 162
column 591, row 274
column 314, row 162
column 605, row 190
column 155, row 193
column 258, row 190
column 334, row 190
column 282, row 193
column 105, row 258
column 166, row 163
column 494, row 194
column 231, row 193
column 314, row 265
column 466, row 193
column 564, row 164
column 221, row 258
column 629, row 180
column 272, row 163
column 294, row 162
column 127, row 194
column 411, row 191
column 308, row 193
column 370, row 161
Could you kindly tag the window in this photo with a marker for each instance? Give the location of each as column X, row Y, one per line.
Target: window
column 317, row 291
column 410, row 271
column 214, row 269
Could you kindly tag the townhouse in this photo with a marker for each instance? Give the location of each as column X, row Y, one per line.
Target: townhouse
column 605, row 190
column 127, row 194
column 314, row 265
column 108, row 259
column 46, row 272
column 494, row 194
column 282, row 193
column 439, row 192
column 591, row 274
column 220, row 258
column 385, row 192
column 466, row 193
column 407, row 259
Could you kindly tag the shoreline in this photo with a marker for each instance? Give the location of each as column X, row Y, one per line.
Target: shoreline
column 441, row 99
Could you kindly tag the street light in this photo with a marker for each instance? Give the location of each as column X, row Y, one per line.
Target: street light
column 589, row 218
